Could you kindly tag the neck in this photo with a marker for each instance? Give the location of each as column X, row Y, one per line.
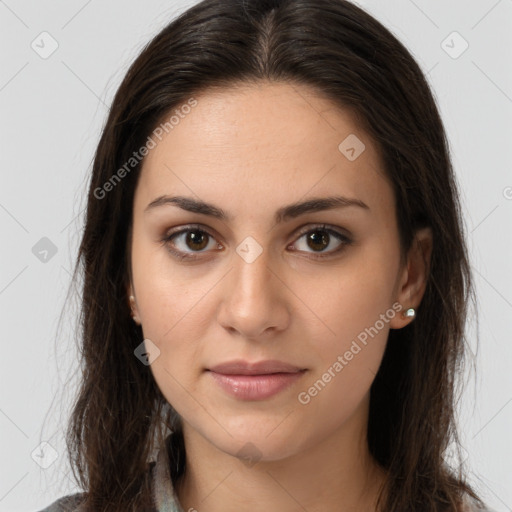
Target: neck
column 335, row 474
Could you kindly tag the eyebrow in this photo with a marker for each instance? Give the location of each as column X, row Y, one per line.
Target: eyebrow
column 285, row 213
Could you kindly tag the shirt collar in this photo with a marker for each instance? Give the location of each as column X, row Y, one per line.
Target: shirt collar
column 164, row 494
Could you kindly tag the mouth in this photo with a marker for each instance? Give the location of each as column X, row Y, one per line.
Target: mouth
column 255, row 381
column 241, row 367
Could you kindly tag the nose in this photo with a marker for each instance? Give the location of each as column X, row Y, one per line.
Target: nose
column 254, row 299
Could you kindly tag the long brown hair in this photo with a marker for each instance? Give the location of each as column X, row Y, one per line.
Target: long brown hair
column 120, row 417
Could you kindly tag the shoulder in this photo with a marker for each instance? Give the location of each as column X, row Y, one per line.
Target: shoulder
column 472, row 505
column 162, row 491
column 68, row 503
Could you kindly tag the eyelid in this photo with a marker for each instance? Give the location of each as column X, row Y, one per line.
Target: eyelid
column 306, row 228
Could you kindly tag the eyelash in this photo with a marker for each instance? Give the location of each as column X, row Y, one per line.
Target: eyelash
column 197, row 228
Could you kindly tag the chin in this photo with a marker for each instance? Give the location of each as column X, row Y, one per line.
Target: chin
column 251, row 444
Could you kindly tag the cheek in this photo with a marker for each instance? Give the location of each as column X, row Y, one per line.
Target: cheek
column 348, row 364
column 169, row 296
column 172, row 311
column 356, row 294
column 177, row 324
column 356, row 306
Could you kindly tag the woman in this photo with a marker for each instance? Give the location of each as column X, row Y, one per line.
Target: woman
column 275, row 274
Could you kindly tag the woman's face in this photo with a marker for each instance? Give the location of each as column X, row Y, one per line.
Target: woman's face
column 259, row 287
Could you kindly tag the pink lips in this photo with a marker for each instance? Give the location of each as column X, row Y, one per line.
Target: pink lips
column 255, row 381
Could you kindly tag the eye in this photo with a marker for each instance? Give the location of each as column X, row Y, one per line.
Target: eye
column 189, row 242
column 192, row 237
column 320, row 238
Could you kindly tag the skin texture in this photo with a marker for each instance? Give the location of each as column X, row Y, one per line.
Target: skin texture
column 251, row 150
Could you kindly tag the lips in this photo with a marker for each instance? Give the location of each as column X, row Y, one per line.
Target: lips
column 240, row 367
column 255, row 381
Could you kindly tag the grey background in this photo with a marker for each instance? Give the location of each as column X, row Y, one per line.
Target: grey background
column 52, row 110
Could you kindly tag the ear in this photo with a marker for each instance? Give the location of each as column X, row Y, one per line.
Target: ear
column 413, row 278
column 132, row 304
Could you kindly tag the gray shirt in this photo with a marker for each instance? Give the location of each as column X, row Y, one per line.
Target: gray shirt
column 164, row 497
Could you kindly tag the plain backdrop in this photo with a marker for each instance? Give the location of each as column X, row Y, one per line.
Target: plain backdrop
column 61, row 63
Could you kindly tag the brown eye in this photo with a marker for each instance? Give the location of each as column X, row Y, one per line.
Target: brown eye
column 319, row 239
column 189, row 243
column 196, row 240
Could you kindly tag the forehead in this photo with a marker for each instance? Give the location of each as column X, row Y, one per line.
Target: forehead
column 263, row 140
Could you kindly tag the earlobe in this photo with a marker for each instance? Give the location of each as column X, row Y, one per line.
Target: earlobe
column 133, row 306
column 414, row 278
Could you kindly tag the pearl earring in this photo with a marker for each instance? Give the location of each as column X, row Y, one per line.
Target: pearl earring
column 135, row 317
column 409, row 313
